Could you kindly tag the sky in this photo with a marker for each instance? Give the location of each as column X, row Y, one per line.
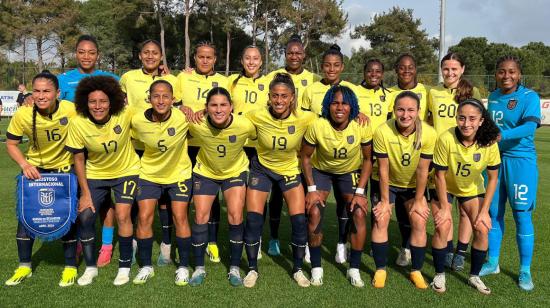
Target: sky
column 515, row 22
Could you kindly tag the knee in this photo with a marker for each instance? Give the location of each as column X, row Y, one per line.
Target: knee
column 417, row 222
column 123, row 217
column 359, row 216
column 314, row 215
column 235, row 218
column 443, row 229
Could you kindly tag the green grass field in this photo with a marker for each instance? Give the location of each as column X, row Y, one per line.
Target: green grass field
column 275, row 286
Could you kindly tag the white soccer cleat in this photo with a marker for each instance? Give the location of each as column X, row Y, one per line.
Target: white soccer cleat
column 404, row 257
column 341, row 253
column 88, row 277
column 438, row 284
column 355, row 278
column 317, row 276
column 182, row 276
column 477, row 283
column 250, row 279
column 144, row 274
column 301, row 279
column 122, row 277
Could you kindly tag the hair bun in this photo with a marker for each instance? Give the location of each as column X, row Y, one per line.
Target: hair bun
column 295, row 38
column 335, row 47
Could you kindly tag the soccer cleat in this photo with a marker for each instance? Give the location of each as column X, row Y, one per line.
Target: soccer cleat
column 88, row 277
column 341, row 253
column 182, row 276
column 198, row 277
column 134, row 251
column 234, row 277
column 449, row 259
column 213, row 252
column 105, row 254
column 317, row 276
column 404, row 257
column 418, row 280
column 20, row 274
column 144, row 274
column 250, row 279
column 122, row 277
column 68, row 276
column 489, row 268
column 438, row 284
column 274, row 248
column 458, row 263
column 164, row 255
column 301, row 279
column 307, row 256
column 355, row 278
column 525, row 282
column 476, row 282
column 379, row 280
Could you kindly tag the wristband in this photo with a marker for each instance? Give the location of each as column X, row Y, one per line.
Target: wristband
column 312, row 188
column 360, row 191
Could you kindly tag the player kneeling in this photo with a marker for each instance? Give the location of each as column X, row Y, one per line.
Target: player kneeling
column 462, row 153
column 165, row 171
column 221, row 164
column 331, row 155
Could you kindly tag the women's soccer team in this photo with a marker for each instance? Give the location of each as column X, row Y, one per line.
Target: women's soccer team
column 154, row 140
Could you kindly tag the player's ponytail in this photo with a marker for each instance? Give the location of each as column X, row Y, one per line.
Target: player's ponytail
column 334, row 50
column 286, row 80
column 488, row 132
column 464, row 91
column 417, row 145
column 35, row 145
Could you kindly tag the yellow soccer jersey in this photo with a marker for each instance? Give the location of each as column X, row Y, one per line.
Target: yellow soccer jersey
column 374, row 103
column 109, row 147
column 403, row 158
column 442, row 105
column 248, row 93
column 221, row 155
column 194, row 87
column 336, row 151
column 420, row 90
column 464, row 165
column 165, row 159
column 301, row 82
column 314, row 95
column 136, row 83
column 279, row 140
column 51, row 133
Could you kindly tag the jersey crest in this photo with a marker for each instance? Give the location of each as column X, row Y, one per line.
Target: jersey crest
column 117, row 129
column 512, row 104
column 291, row 129
column 351, row 139
column 232, row 138
column 171, row 131
column 382, row 98
column 63, row 121
column 304, row 82
column 477, row 157
column 260, row 87
column 214, row 84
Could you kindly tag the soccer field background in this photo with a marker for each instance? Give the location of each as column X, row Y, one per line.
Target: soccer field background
column 275, row 285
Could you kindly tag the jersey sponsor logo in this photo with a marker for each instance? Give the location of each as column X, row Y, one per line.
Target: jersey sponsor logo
column 260, row 87
column 291, row 129
column 141, row 81
column 63, row 121
column 351, row 139
column 512, row 103
column 232, row 138
column 382, row 98
column 46, row 196
column 171, row 131
column 214, row 84
column 117, row 129
column 304, row 82
column 477, row 157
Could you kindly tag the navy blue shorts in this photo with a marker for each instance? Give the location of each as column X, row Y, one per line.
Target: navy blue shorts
column 124, row 189
column 346, row 183
column 179, row 191
column 451, row 197
column 262, row 178
column 398, row 195
column 207, row 186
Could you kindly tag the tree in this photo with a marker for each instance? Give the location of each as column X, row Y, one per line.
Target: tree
column 471, row 50
column 396, row 32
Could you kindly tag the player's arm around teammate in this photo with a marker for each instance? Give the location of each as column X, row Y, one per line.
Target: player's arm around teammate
column 462, row 153
column 344, row 161
column 404, row 149
column 280, row 129
column 221, row 165
column 165, row 172
column 45, row 123
column 105, row 162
